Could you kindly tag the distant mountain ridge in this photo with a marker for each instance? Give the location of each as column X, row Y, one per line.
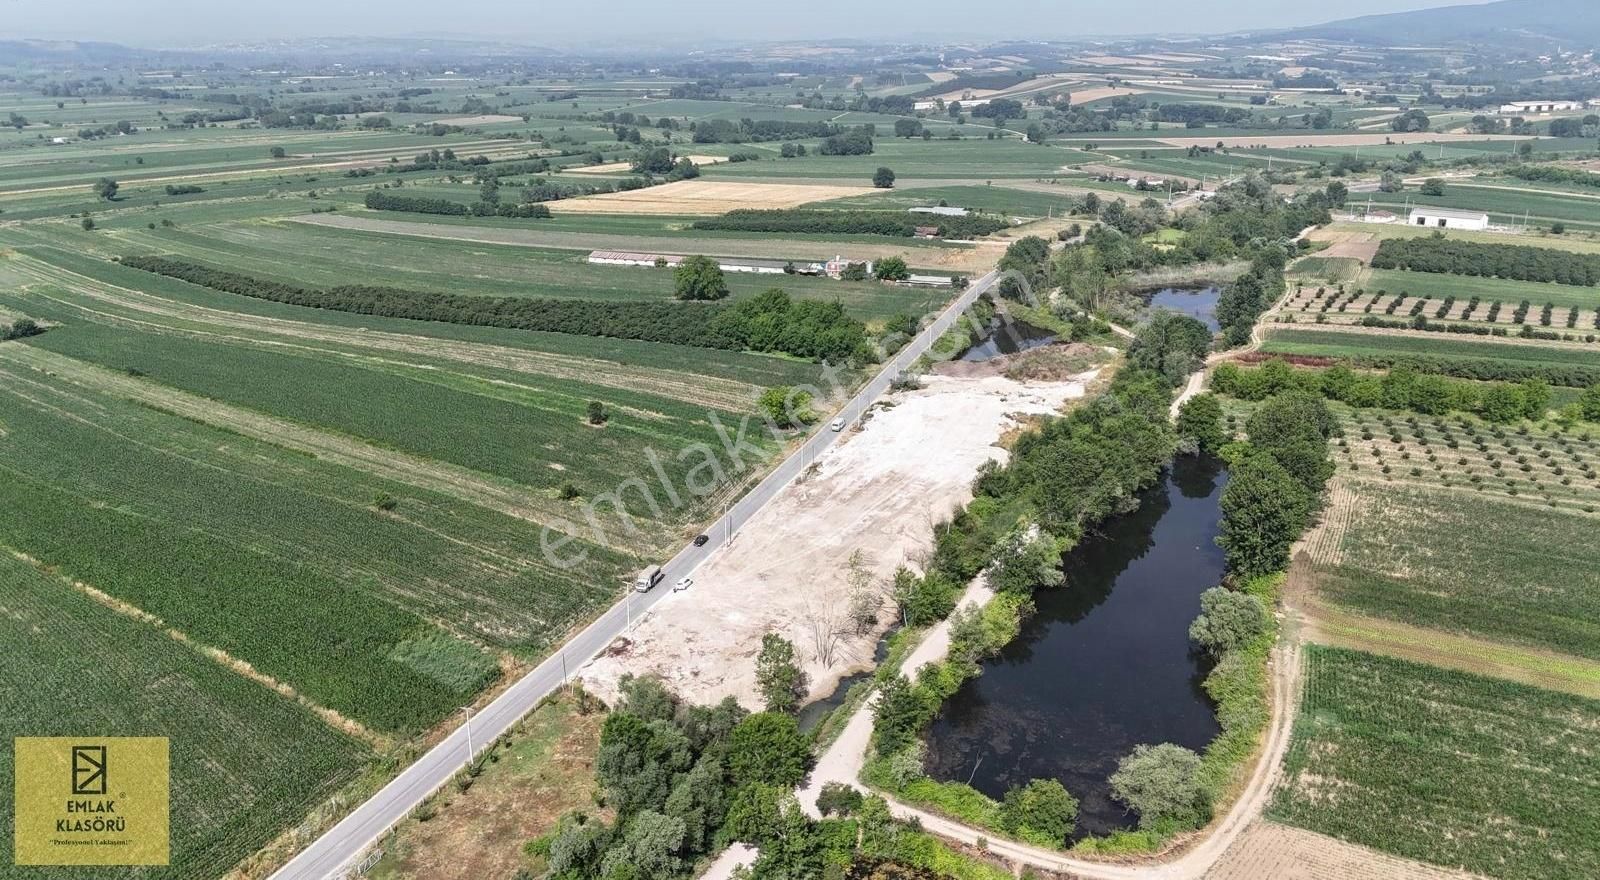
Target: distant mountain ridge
column 1574, row 23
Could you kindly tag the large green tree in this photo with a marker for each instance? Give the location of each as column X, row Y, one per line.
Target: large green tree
column 1264, row 509
column 1200, row 423
column 1170, row 345
column 699, row 278
column 778, row 676
column 768, row 748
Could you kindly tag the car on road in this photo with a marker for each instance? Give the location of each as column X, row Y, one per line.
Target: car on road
column 837, row 424
column 683, row 583
column 700, row 540
column 648, row 578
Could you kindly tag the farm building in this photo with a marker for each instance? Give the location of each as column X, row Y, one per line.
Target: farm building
column 927, row 232
column 1516, row 108
column 835, row 267
column 754, row 267
column 1445, row 218
column 928, row 281
column 942, row 210
column 627, row 258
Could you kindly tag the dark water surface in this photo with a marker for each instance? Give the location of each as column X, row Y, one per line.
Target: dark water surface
column 1007, row 336
column 1105, row 664
column 1196, row 302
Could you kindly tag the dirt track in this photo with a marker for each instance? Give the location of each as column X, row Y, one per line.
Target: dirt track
column 1268, row 851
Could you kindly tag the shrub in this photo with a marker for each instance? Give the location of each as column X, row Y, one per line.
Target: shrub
column 1161, row 783
column 1041, row 812
column 1227, row 620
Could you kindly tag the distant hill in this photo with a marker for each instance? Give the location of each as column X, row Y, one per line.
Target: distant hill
column 1573, row 23
column 67, row 51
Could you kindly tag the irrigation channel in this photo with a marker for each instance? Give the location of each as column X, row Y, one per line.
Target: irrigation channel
column 1105, row 664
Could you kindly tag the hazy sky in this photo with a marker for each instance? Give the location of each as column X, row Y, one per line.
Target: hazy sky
column 186, row 22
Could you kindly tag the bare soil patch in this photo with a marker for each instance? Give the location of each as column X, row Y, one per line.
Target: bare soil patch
column 1269, row 851
column 1084, row 96
column 1362, row 246
column 705, row 197
column 876, row 496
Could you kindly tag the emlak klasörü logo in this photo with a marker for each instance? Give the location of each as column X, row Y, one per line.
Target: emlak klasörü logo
column 91, row 801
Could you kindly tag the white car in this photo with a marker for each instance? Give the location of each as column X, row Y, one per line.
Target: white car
column 683, row 583
column 837, row 424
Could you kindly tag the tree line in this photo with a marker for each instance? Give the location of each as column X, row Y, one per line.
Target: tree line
column 1403, row 388
column 1554, row 174
column 769, row 322
column 1517, row 262
column 815, row 222
column 727, row 131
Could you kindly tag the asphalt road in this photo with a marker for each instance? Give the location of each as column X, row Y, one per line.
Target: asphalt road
column 338, row 849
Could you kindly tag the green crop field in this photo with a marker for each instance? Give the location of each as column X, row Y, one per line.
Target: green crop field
column 245, row 760
column 1505, row 206
column 1437, row 286
column 1002, row 199
column 1342, row 344
column 1445, row 767
column 1424, row 556
column 328, row 257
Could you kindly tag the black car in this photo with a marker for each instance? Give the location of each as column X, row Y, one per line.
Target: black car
column 700, row 540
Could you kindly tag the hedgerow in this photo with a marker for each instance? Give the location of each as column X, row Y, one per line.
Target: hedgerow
column 1516, row 262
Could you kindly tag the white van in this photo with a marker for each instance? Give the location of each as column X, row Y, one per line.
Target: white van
column 837, row 424
column 647, row 579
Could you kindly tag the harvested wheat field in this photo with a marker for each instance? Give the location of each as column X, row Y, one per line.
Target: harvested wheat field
column 1347, row 243
column 705, row 197
column 625, row 167
column 1268, row 851
column 1084, row 96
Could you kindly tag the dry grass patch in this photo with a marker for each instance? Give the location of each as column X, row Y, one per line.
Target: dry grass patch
column 542, row 769
column 705, row 197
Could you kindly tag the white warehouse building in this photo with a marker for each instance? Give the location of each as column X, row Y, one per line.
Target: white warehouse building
column 1446, row 218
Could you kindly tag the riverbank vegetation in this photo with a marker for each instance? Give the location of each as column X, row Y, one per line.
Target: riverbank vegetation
column 1069, row 474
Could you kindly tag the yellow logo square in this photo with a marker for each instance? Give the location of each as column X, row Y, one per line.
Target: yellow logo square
column 92, row 800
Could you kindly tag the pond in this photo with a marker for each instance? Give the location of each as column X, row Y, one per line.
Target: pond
column 1007, row 335
column 1105, row 664
column 1196, row 302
